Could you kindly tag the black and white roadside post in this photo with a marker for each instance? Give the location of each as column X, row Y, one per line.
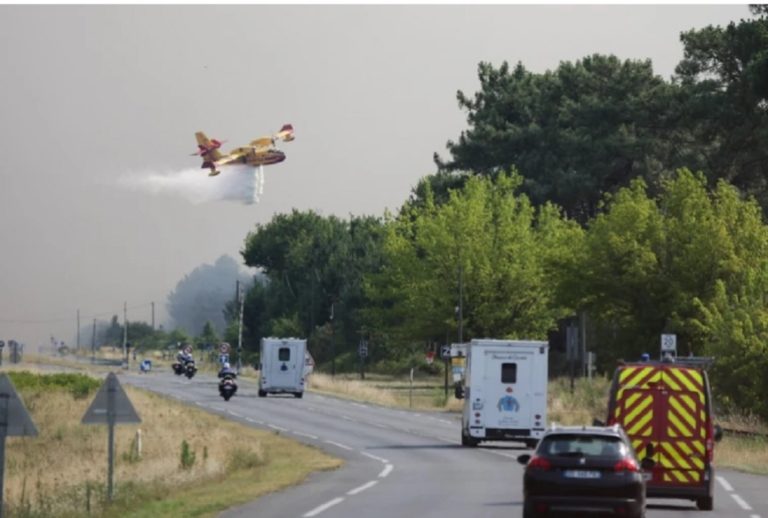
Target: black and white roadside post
column 111, row 406
column 14, row 421
column 362, row 352
column 2, row 346
column 445, row 354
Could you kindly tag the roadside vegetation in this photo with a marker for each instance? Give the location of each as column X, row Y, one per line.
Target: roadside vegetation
column 190, row 463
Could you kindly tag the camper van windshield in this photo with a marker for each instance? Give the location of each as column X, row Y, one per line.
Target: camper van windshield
column 509, row 373
column 284, row 354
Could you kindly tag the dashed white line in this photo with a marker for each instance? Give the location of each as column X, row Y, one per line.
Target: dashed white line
column 360, row 405
column 374, row 457
column 386, row 471
column 338, row 444
column 725, row 484
column 278, row 428
column 255, row 421
column 198, row 403
column 380, row 425
column 362, row 488
column 347, row 418
column 233, row 413
column 309, row 435
column 741, row 502
column 319, row 509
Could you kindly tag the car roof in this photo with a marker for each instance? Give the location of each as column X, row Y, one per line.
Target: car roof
column 611, row 431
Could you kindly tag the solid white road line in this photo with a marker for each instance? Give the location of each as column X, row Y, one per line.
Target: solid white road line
column 374, row 457
column 725, row 484
column 741, row 502
column 278, row 428
column 343, row 446
column 255, row 421
column 309, row 435
column 234, row 413
column 362, row 488
column 386, row 471
column 319, row 509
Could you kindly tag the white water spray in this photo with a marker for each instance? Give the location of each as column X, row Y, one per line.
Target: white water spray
column 235, row 183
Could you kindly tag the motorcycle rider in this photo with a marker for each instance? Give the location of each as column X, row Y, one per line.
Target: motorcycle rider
column 227, row 371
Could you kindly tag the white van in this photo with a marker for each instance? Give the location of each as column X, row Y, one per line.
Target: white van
column 504, row 391
column 282, row 366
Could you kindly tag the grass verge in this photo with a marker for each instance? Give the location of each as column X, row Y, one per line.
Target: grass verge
column 63, row 471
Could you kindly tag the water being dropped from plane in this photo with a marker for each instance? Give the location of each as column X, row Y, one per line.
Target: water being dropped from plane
column 235, row 183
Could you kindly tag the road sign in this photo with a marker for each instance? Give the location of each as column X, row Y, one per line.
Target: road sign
column 362, row 349
column 430, row 357
column 445, row 352
column 111, row 406
column 111, row 402
column 16, row 418
column 669, row 344
column 224, row 348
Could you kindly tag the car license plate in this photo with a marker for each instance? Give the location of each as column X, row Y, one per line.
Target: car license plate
column 581, row 473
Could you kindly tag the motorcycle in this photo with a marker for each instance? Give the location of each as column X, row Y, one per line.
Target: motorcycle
column 227, row 387
column 190, row 370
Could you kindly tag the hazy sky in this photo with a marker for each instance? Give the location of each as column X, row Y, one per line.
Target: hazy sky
column 90, row 95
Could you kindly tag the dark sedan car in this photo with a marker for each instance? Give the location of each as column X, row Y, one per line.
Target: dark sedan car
column 585, row 470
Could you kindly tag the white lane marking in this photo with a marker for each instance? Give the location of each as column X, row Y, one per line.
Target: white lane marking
column 320, row 508
column 343, row 446
column 360, row 405
column 380, row 425
column 305, row 435
column 198, row 403
column 741, row 502
column 444, row 421
column 278, row 428
column 755, row 516
column 386, row 471
column 449, row 441
column 501, row 454
column 724, row 483
column 374, row 457
column 346, row 417
column 362, row 488
column 256, row 421
column 234, row 413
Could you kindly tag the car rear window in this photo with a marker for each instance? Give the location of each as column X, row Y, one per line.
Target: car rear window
column 284, row 354
column 580, row 444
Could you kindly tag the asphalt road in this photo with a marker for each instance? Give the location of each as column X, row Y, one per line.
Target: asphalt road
column 403, row 463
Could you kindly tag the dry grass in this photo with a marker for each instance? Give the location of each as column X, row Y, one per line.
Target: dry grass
column 428, row 393
column 54, row 473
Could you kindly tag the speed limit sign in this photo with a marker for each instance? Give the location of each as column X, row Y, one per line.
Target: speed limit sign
column 224, row 348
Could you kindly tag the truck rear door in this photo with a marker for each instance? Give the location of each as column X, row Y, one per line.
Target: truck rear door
column 507, row 385
column 283, row 366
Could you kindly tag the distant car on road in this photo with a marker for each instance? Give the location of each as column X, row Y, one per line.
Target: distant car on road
column 583, row 469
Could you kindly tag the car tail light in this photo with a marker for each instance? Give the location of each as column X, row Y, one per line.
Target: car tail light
column 539, row 463
column 542, row 508
column 626, row 465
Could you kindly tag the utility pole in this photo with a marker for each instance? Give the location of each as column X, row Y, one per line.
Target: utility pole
column 125, row 333
column 153, row 316
column 461, row 304
column 241, row 301
column 333, row 347
column 78, row 330
column 93, row 343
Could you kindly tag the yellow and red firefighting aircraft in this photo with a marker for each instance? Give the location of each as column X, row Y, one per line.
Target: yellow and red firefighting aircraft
column 259, row 152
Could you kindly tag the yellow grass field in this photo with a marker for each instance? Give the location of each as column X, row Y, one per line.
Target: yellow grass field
column 63, row 471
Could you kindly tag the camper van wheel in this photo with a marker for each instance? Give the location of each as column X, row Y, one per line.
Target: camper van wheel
column 299, row 394
column 468, row 441
column 705, row 503
column 262, row 393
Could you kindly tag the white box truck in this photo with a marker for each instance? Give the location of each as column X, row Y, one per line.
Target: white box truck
column 281, row 369
column 504, row 391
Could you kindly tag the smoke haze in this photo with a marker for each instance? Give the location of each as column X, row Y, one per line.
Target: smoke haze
column 235, row 183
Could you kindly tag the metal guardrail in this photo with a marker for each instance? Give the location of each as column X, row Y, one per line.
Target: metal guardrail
column 744, row 433
column 106, row 361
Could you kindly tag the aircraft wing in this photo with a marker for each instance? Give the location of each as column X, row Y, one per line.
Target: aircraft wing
column 262, row 143
column 234, row 156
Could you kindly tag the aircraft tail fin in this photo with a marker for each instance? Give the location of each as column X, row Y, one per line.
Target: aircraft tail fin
column 207, row 148
column 286, row 133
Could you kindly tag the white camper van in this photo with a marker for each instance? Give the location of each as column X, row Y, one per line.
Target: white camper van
column 504, row 391
column 282, row 366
